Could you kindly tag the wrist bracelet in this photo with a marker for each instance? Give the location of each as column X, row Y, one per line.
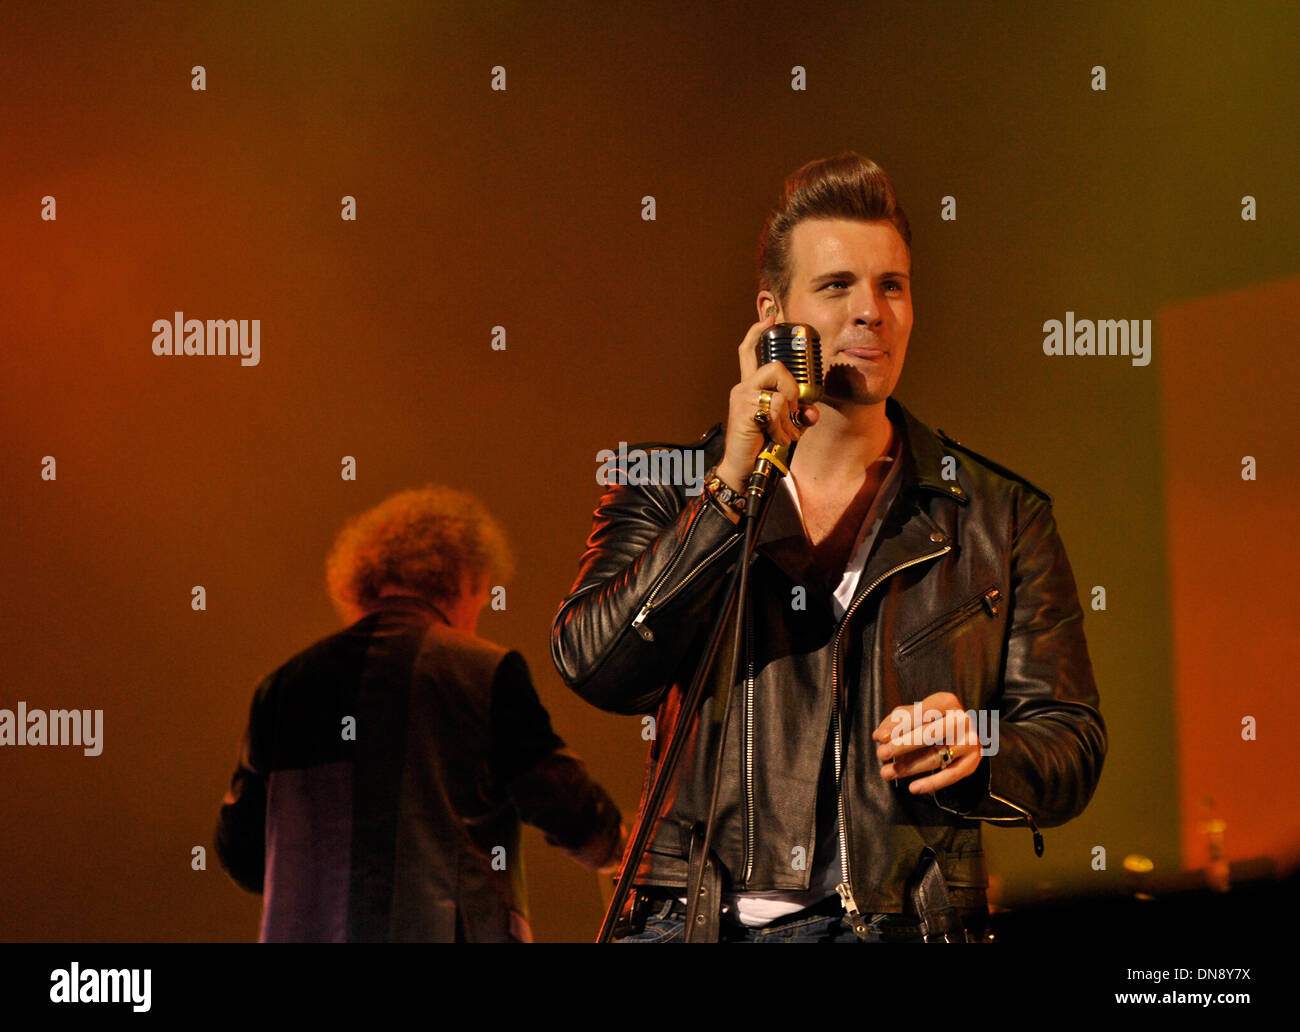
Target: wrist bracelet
column 726, row 496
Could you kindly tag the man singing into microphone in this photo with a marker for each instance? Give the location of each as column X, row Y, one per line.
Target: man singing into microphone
column 907, row 597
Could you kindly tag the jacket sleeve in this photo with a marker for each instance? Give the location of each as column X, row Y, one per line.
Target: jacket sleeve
column 1051, row 736
column 241, row 827
column 548, row 785
column 652, row 559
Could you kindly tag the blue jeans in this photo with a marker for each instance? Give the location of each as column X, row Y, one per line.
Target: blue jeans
column 661, row 926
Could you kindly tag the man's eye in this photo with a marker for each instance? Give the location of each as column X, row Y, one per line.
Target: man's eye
column 835, row 285
column 893, row 285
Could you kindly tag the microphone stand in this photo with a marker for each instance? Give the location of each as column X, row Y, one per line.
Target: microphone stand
column 774, row 460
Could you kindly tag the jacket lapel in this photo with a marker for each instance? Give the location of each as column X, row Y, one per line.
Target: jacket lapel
column 781, row 538
column 908, row 532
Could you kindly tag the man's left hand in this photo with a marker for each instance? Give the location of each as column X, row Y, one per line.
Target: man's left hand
column 920, row 737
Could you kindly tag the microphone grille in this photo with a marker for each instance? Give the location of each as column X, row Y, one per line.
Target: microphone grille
column 798, row 347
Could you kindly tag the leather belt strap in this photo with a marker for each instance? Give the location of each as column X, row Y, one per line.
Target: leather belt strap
column 939, row 920
column 709, row 916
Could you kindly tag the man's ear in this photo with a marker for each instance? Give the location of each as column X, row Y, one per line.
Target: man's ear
column 767, row 304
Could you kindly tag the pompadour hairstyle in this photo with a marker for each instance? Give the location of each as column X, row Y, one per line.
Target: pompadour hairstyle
column 847, row 186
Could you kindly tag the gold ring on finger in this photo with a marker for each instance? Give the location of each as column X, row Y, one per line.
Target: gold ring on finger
column 945, row 757
column 764, row 413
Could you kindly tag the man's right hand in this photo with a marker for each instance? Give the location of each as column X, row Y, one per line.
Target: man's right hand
column 745, row 437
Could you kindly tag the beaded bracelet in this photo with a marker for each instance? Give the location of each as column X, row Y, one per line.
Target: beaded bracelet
column 726, row 496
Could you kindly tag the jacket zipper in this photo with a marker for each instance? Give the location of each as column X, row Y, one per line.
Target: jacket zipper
column 989, row 601
column 638, row 623
column 845, row 887
column 749, row 752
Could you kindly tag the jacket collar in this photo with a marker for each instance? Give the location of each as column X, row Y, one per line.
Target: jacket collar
column 908, row 532
column 923, row 455
column 406, row 604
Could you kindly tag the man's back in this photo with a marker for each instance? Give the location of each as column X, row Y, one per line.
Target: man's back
column 389, row 765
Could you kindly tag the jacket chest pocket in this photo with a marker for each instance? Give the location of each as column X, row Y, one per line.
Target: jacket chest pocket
column 988, row 603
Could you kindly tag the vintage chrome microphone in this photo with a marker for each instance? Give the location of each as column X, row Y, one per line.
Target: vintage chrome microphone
column 798, row 347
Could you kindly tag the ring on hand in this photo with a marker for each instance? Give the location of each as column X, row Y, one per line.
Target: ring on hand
column 794, row 418
column 764, row 412
column 945, row 757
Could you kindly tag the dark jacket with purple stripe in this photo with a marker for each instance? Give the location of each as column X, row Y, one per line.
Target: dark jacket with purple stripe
column 381, row 782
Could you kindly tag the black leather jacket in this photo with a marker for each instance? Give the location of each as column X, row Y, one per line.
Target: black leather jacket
column 967, row 590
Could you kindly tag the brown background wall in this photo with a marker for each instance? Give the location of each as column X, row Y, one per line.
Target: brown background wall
column 522, row 209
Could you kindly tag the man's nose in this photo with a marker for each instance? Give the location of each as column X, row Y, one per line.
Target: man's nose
column 868, row 309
